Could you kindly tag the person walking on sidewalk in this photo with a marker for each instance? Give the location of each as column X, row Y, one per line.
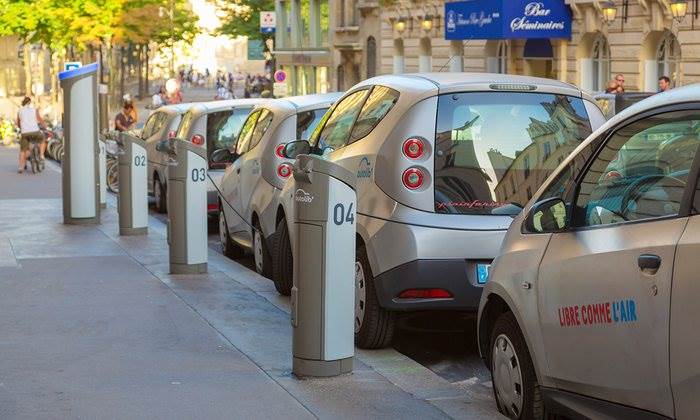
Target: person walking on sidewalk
column 30, row 124
column 126, row 119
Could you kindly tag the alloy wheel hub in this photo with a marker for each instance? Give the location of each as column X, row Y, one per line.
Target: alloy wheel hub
column 360, row 296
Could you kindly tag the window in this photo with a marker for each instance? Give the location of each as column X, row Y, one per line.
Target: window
column 337, row 128
column 149, row 127
column 378, row 104
column 371, row 57
column 223, row 128
column 483, row 166
column 547, row 150
column 307, row 122
column 502, row 57
column 668, row 57
column 264, row 120
column 600, row 56
column 183, row 131
column 246, row 133
column 641, row 172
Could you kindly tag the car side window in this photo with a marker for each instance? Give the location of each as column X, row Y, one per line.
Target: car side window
column 337, row 129
column 378, row 104
column 247, row 133
column 148, row 128
column 641, row 172
column 263, row 123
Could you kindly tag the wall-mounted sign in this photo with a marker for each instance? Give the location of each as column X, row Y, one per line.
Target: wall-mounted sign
column 256, row 49
column 71, row 65
column 268, row 22
column 507, row 19
column 280, row 76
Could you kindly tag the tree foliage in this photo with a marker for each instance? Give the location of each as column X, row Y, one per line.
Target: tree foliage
column 242, row 17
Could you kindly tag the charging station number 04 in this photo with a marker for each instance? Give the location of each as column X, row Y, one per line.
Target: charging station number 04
column 341, row 216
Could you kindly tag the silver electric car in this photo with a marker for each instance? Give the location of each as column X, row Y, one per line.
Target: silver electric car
column 591, row 308
column 215, row 125
column 251, row 184
column 443, row 162
column 160, row 125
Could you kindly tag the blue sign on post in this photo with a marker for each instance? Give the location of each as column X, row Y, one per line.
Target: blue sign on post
column 507, row 19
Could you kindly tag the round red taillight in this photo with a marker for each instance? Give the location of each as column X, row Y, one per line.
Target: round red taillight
column 171, row 134
column 279, row 150
column 413, row 148
column 284, row 170
column 413, row 178
column 197, row 139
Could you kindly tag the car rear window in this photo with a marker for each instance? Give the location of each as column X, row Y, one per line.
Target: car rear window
column 307, row 122
column 377, row 105
column 183, row 129
column 223, row 128
column 494, row 150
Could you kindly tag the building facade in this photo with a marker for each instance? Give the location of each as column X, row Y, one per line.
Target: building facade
column 643, row 42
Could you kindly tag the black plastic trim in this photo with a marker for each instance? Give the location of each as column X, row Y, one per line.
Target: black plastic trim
column 575, row 406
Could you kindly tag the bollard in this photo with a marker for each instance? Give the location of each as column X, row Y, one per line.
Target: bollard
column 103, row 172
column 80, row 175
column 323, row 295
column 187, row 206
column 133, row 195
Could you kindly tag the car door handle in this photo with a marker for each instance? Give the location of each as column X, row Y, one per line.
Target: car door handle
column 649, row 262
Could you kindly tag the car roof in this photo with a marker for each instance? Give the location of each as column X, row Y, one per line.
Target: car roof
column 214, row 106
column 295, row 104
column 177, row 108
column 463, row 81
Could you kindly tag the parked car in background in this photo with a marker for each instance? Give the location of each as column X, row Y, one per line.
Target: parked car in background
column 215, row 125
column 161, row 124
column 443, row 162
column 258, row 170
column 591, row 308
column 612, row 104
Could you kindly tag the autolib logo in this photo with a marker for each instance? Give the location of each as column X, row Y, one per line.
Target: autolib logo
column 302, row 196
column 364, row 169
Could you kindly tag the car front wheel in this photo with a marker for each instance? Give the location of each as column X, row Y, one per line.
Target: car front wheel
column 283, row 265
column 374, row 325
column 515, row 386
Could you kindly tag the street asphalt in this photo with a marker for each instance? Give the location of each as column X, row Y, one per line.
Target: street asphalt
column 94, row 327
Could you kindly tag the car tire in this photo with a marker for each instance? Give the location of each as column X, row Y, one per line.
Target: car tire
column 374, row 325
column 228, row 248
column 515, row 386
column 283, row 264
column 261, row 253
column 160, row 196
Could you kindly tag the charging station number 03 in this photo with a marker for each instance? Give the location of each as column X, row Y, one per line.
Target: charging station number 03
column 198, row 175
column 341, row 216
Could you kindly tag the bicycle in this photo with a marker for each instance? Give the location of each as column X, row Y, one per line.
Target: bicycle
column 35, row 154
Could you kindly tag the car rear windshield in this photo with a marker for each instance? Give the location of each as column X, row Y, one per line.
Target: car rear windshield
column 494, row 150
column 307, row 122
column 185, row 125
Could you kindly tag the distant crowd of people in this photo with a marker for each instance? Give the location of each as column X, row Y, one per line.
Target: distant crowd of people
column 236, row 85
column 617, row 85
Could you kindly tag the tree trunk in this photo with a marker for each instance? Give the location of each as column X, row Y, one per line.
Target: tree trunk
column 121, row 73
column 146, row 65
column 27, row 51
column 139, row 69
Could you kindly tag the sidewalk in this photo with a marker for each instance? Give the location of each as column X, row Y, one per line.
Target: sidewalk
column 94, row 327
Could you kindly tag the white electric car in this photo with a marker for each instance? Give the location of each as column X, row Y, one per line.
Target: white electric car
column 161, row 124
column 591, row 309
column 258, row 170
column 215, row 125
column 443, row 162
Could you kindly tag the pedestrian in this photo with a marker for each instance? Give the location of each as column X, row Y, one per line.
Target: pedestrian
column 124, row 121
column 222, row 93
column 159, row 99
column 664, row 84
column 612, row 87
column 620, row 79
column 30, row 124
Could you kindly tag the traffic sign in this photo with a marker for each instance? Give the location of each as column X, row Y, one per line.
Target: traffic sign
column 268, row 22
column 280, row 76
column 72, row 65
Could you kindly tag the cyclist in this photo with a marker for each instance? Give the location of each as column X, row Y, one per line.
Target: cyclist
column 30, row 124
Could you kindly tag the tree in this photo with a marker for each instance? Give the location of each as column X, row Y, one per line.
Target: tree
column 242, row 17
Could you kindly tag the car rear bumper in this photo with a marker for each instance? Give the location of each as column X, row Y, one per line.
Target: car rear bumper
column 457, row 276
column 212, row 203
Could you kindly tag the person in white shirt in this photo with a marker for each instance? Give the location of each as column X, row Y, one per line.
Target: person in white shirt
column 159, row 99
column 30, row 123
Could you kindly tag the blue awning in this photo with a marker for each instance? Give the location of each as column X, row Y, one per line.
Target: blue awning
column 507, row 19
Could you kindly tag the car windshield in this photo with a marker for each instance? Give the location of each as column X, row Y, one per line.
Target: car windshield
column 307, row 122
column 494, row 150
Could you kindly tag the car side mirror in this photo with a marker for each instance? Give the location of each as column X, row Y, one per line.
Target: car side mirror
column 296, row 148
column 223, row 156
column 547, row 216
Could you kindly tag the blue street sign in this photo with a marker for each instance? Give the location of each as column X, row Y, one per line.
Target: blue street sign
column 507, row 19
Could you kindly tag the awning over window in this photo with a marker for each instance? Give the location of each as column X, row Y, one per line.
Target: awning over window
column 507, row 19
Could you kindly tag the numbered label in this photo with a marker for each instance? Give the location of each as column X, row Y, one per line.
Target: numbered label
column 198, row 175
column 340, row 216
column 139, row 160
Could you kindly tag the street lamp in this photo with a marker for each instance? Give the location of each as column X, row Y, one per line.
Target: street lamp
column 609, row 12
column 400, row 25
column 679, row 8
column 427, row 23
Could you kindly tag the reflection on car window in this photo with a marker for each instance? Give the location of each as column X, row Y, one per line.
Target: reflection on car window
column 641, row 172
column 184, row 129
column 223, row 128
column 378, row 104
column 264, row 120
column 307, row 122
column 148, row 127
column 337, row 129
column 494, row 150
column 247, row 133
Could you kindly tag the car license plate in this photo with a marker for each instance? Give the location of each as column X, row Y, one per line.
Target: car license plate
column 482, row 273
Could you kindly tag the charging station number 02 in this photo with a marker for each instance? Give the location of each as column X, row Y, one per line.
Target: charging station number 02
column 139, row 160
column 341, row 216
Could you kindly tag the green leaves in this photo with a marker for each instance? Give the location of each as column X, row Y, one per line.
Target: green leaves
column 242, row 17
